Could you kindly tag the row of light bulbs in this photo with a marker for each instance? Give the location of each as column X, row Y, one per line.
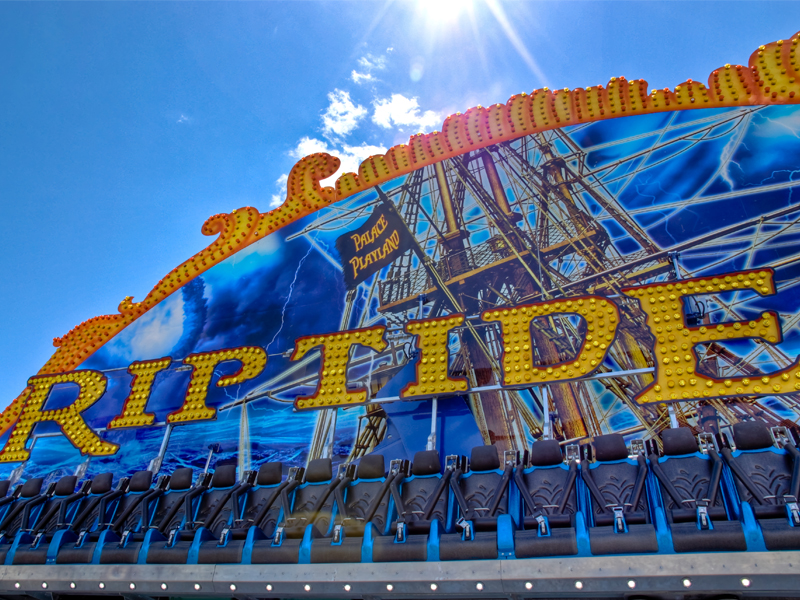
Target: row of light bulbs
column 389, row 587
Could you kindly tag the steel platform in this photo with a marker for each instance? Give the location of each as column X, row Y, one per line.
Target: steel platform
column 688, row 576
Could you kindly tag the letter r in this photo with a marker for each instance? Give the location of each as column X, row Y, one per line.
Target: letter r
column 92, row 385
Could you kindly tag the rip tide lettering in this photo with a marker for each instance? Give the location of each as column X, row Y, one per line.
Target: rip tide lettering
column 676, row 377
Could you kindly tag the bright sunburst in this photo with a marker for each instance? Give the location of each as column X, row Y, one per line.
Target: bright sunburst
column 443, row 10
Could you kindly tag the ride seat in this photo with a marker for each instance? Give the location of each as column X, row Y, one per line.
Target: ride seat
column 57, row 515
column 95, row 532
column 22, row 513
column 160, row 512
column 549, row 504
column 481, row 497
column 619, row 511
column 204, row 511
column 692, row 497
column 768, row 481
column 421, row 505
column 260, row 513
column 362, row 508
column 305, row 517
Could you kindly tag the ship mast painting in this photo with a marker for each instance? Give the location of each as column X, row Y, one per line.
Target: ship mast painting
column 587, row 209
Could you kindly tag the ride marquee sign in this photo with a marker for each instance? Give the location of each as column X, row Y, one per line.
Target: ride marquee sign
column 676, row 375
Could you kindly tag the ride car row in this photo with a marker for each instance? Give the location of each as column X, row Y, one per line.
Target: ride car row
column 689, row 496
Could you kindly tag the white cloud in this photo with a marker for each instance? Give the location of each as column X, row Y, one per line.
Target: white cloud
column 399, row 110
column 183, row 119
column 360, row 78
column 308, row 146
column 277, row 199
column 342, row 115
column 351, row 156
column 372, row 63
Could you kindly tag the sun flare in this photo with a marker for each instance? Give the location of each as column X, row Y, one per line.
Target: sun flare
column 444, row 10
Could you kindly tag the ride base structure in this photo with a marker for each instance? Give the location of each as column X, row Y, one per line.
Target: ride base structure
column 549, row 351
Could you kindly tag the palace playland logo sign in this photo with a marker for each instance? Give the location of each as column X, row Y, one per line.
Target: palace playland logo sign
column 374, row 245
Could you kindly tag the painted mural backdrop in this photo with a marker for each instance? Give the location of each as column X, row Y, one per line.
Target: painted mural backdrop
column 586, row 209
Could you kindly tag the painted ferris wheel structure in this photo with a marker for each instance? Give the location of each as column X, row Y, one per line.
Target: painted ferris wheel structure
column 540, row 218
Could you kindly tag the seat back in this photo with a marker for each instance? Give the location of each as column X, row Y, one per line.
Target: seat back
column 313, row 501
column 214, row 510
column 768, row 468
column 417, row 490
column 14, row 519
column 169, row 512
column 48, row 520
column 87, row 511
column 616, row 478
column 480, row 485
column 360, row 495
column 688, row 473
column 546, row 482
column 131, row 502
column 264, row 492
column 6, row 501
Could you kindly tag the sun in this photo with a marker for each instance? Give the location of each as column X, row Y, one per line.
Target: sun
column 443, row 10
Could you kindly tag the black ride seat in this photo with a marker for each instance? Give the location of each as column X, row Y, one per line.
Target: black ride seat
column 421, row 506
column 548, row 502
column 57, row 514
column 77, row 544
column 692, row 497
column 157, row 513
column 768, row 479
column 7, row 500
column 22, row 513
column 210, row 513
column 362, row 507
column 120, row 516
column 619, row 509
column 481, row 497
column 307, row 515
column 261, row 512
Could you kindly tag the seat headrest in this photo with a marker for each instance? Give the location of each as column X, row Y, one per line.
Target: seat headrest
column 32, row 487
column 484, row 458
column 181, row 479
column 610, row 447
column 546, row 453
column 372, row 466
column 270, row 473
column 66, row 485
column 224, row 476
column 319, row 469
column 426, row 463
column 102, row 483
column 141, row 481
column 679, row 441
column 4, row 485
column 752, row 435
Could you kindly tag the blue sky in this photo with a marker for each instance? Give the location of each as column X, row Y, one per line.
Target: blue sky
column 125, row 125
